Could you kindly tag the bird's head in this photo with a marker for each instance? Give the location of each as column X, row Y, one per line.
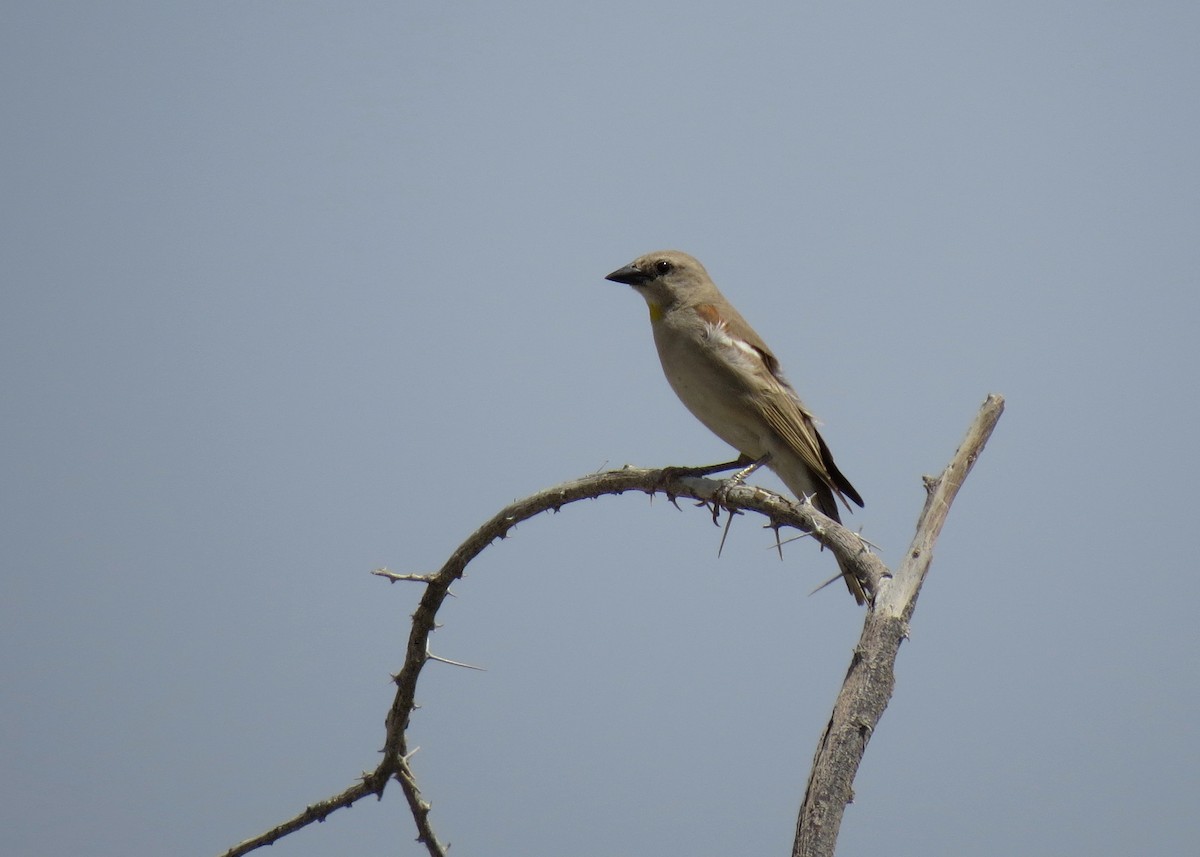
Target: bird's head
column 666, row 278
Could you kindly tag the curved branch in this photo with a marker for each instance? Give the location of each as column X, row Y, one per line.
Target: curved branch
column 865, row 692
column 674, row 482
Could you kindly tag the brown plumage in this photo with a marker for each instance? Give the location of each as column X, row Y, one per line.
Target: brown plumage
column 730, row 380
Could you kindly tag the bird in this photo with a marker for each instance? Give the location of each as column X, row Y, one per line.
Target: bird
column 732, row 382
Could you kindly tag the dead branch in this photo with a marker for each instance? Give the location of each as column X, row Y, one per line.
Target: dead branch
column 869, row 681
column 674, row 482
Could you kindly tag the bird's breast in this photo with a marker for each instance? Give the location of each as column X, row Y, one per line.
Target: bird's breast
column 704, row 369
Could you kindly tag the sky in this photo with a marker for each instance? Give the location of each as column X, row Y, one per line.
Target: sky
column 293, row 291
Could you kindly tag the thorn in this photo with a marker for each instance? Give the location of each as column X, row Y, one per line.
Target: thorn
column 725, row 534
column 823, row 585
column 867, row 542
column 434, row 657
column 791, row 539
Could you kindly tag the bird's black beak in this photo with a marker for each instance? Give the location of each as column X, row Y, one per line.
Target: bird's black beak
column 629, row 275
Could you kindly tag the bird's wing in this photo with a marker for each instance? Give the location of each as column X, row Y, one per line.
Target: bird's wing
column 793, row 422
column 776, row 401
column 788, row 419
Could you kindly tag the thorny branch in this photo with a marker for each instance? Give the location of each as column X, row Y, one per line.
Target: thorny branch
column 674, row 482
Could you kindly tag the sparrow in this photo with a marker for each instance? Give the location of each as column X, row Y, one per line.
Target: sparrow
column 731, row 381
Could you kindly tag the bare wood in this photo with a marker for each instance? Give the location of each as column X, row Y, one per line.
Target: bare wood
column 674, row 482
column 870, row 679
column 868, row 684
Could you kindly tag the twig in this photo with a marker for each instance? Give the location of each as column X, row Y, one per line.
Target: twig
column 394, row 576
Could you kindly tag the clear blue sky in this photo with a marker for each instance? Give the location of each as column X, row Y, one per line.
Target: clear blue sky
column 292, row 291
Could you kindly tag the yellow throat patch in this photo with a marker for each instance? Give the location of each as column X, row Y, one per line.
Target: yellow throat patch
column 656, row 312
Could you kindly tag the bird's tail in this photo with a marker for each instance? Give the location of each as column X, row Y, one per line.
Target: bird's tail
column 801, row 482
column 826, row 503
column 852, row 582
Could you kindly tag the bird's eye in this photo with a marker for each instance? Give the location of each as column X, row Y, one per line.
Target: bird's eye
column 663, row 266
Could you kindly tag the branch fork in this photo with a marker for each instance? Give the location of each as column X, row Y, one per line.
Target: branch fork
column 869, row 680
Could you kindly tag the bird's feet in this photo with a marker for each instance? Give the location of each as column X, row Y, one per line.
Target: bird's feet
column 671, row 473
column 722, row 492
